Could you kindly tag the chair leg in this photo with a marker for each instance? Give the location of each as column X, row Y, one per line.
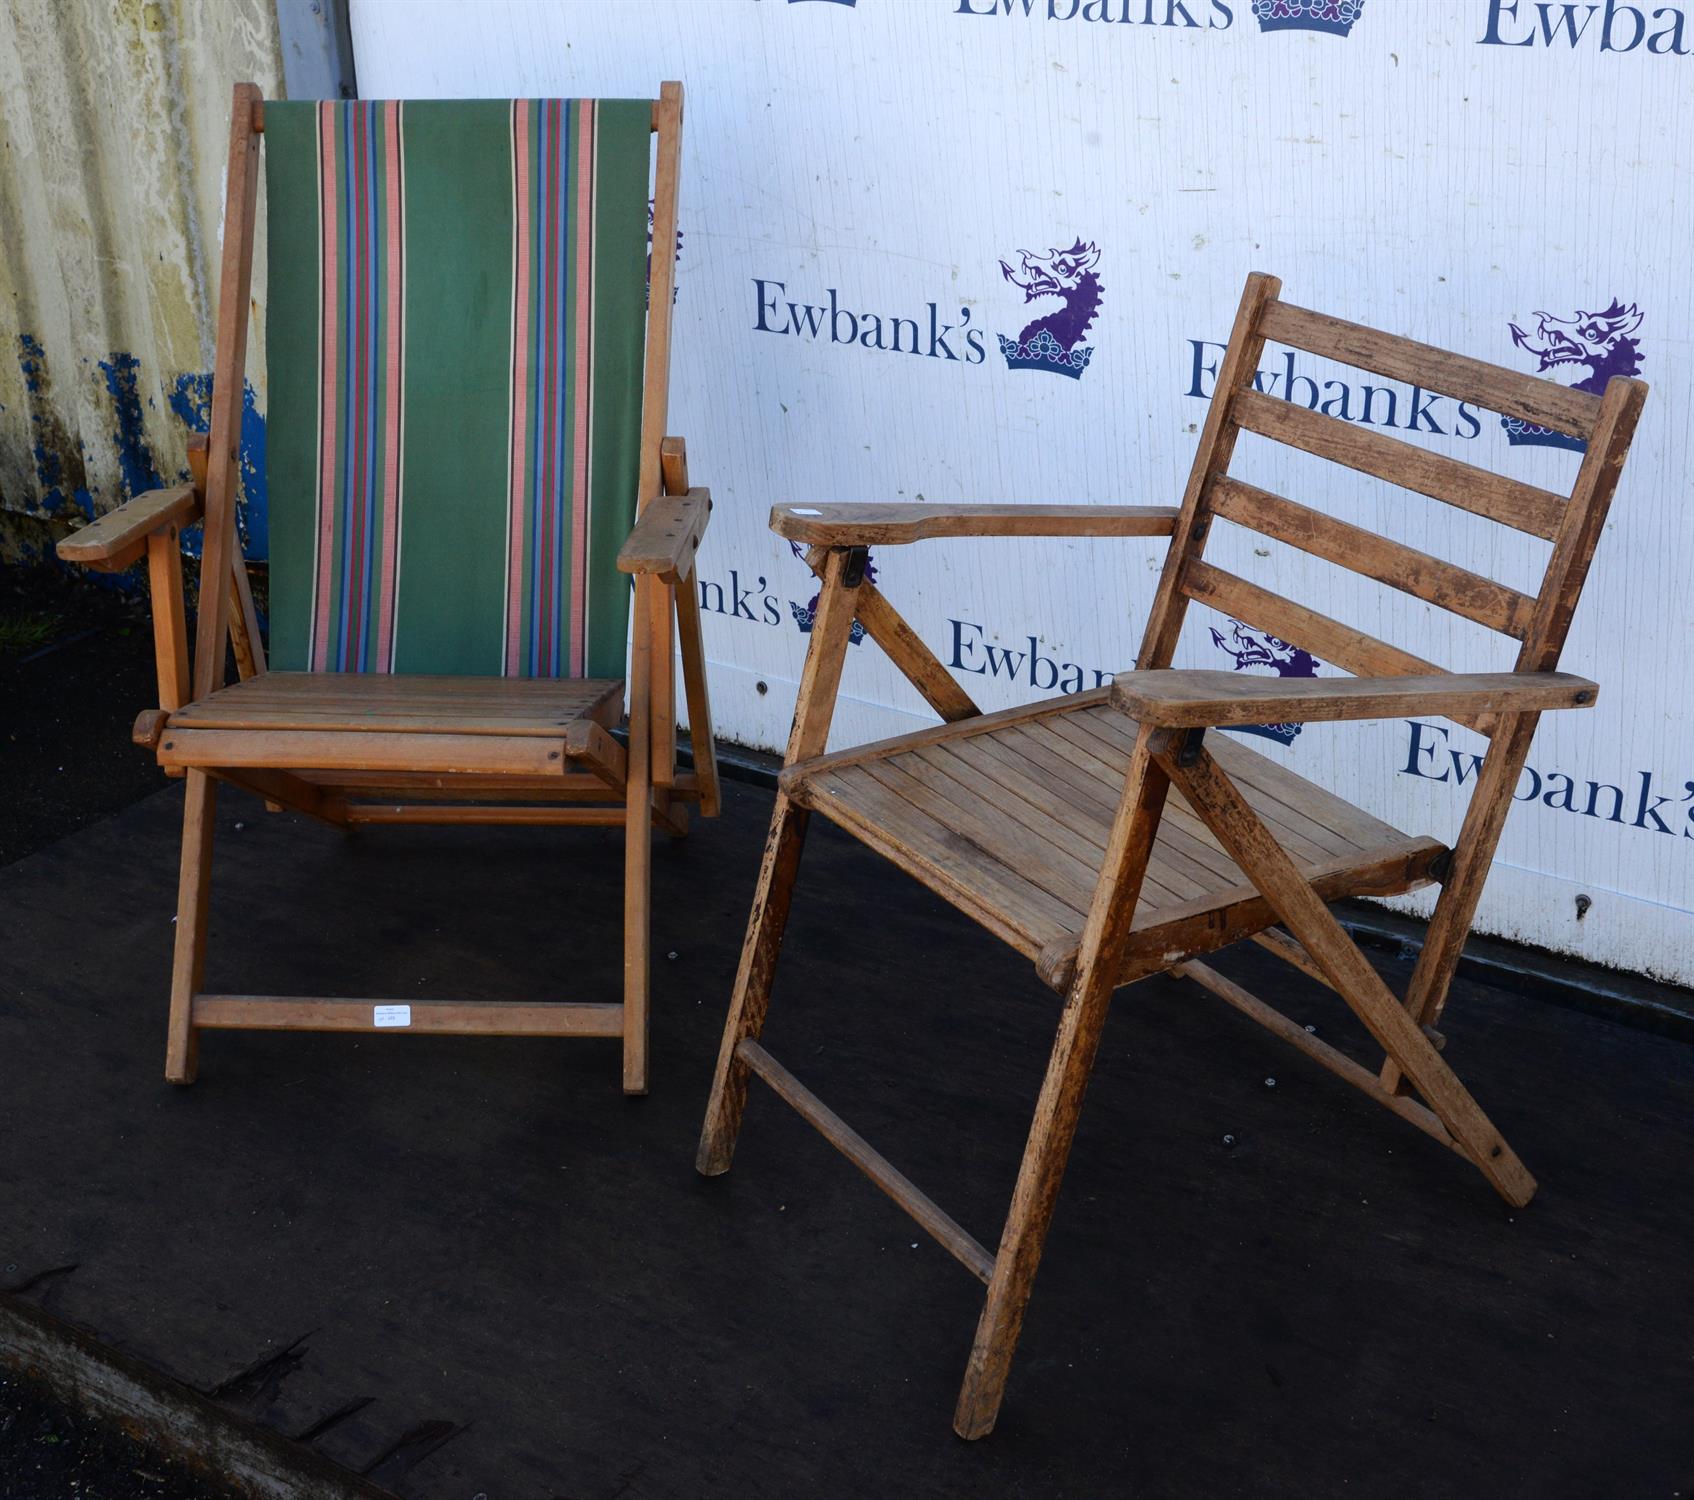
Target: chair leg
column 1100, row 960
column 637, row 937
column 1033, row 1200
column 751, row 997
column 188, row 965
column 639, row 809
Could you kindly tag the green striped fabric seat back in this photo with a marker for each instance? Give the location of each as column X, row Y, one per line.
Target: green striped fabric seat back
column 455, row 331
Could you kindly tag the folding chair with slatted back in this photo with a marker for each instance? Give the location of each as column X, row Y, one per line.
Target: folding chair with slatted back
column 466, row 461
column 1106, row 836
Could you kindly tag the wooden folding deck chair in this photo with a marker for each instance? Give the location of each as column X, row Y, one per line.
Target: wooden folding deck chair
column 1107, row 836
column 468, row 386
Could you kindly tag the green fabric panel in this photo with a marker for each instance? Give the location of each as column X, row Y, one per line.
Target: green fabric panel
column 416, row 287
column 457, row 389
column 291, row 348
column 620, row 301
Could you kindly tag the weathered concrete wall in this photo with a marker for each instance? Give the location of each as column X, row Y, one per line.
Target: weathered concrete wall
column 114, row 129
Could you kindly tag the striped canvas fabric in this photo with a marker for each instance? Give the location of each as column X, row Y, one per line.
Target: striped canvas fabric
column 455, row 334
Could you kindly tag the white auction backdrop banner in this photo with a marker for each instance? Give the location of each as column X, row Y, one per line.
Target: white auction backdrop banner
column 988, row 250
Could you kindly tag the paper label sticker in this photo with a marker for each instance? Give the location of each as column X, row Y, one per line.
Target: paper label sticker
column 391, row 1015
column 804, row 510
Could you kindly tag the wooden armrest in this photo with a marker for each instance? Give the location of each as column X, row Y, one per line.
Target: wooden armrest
column 666, row 534
column 1204, row 700
column 116, row 538
column 887, row 525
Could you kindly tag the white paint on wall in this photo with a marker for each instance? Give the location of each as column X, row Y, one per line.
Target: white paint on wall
column 1445, row 169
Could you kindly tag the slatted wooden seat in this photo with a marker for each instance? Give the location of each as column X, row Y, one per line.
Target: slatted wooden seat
column 1008, row 817
column 1112, row 835
column 336, row 721
column 468, row 477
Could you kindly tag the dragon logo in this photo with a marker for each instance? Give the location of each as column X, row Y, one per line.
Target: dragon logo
column 1594, row 345
column 805, row 615
column 1255, row 651
column 1053, row 342
column 1333, row 16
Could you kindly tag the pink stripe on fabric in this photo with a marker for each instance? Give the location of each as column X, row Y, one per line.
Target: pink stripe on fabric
column 517, row 510
column 393, row 229
column 584, row 270
column 329, row 340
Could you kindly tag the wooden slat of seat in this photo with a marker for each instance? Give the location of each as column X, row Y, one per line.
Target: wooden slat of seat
column 1288, row 803
column 794, row 774
column 1037, row 858
column 1480, row 491
column 1076, row 831
column 1510, row 392
column 1082, row 732
column 1180, row 828
column 1012, row 908
column 1189, row 842
column 1021, row 791
column 377, row 702
column 1010, row 822
column 1204, row 926
column 1405, row 568
column 329, row 749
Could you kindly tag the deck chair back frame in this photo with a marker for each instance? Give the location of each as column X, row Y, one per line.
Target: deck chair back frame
column 1122, row 878
column 367, row 748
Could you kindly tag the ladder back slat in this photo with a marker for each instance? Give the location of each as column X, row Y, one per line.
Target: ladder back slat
column 1509, row 392
column 1327, row 639
column 1479, row 491
column 1443, row 584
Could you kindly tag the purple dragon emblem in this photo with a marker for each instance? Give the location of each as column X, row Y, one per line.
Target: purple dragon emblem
column 1255, row 651
column 806, row 614
column 1333, row 16
column 1054, row 342
column 1596, row 343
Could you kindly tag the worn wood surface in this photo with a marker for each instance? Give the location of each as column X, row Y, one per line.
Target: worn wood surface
column 169, row 612
column 118, row 537
column 749, row 1001
column 1305, row 914
column 1374, row 556
column 364, row 750
column 462, row 1017
column 1184, row 699
column 189, row 959
column 1342, row 645
column 887, row 525
column 1007, row 817
column 1320, row 1051
column 1482, row 492
column 221, row 542
column 938, row 1225
column 653, row 605
column 1058, row 1107
column 1491, row 386
column 539, row 707
column 691, row 647
column 666, row 535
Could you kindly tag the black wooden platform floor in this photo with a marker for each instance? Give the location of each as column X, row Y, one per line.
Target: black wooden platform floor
column 474, row 1267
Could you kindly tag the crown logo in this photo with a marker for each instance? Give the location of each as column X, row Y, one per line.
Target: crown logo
column 1594, row 346
column 1054, row 341
column 1335, row 17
